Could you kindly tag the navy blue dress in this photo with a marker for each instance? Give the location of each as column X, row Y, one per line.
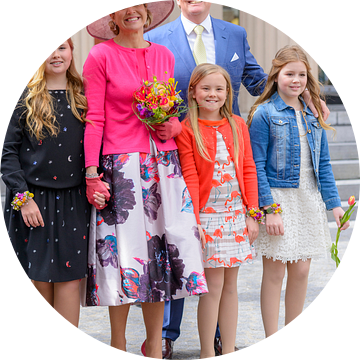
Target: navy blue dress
column 52, row 169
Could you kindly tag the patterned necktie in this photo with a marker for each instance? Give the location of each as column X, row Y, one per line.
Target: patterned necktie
column 199, row 47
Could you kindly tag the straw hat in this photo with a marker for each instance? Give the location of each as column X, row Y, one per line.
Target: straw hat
column 160, row 10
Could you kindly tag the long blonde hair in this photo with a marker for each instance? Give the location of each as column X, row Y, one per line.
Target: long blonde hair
column 40, row 112
column 284, row 56
column 197, row 75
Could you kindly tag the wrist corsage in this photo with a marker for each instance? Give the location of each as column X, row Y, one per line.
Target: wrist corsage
column 256, row 214
column 21, row 199
column 273, row 209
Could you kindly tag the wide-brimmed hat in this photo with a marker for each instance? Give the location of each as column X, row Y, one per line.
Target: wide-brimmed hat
column 160, row 10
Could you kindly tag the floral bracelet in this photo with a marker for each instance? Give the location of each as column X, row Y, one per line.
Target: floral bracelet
column 256, row 214
column 273, row 209
column 21, row 199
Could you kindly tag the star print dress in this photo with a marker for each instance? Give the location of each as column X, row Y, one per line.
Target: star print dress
column 53, row 170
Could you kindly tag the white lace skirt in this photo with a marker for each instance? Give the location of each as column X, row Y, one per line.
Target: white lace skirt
column 306, row 230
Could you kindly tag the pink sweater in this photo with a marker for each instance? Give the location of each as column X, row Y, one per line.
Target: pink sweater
column 111, row 75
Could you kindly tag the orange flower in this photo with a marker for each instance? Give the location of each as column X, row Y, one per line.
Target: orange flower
column 351, row 200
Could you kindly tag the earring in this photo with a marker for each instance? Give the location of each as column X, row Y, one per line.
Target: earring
column 114, row 26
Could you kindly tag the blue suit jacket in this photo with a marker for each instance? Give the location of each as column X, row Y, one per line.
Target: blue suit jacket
column 232, row 52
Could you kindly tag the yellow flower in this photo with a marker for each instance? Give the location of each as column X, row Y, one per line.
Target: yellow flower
column 274, row 205
column 252, row 212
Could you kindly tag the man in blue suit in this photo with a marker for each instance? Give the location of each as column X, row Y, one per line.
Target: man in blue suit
column 226, row 45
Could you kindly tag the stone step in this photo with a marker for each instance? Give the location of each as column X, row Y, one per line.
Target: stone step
column 338, row 115
column 343, row 151
column 344, row 133
column 345, row 169
column 348, row 188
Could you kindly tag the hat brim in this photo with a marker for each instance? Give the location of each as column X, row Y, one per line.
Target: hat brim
column 160, row 10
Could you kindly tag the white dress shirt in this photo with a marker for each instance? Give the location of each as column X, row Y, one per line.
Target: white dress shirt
column 207, row 36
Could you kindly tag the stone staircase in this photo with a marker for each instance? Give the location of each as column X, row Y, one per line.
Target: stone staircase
column 344, row 158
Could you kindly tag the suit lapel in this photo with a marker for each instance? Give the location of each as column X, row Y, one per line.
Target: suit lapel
column 178, row 39
column 221, row 38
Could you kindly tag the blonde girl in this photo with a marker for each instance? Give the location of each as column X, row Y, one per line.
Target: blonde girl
column 46, row 211
column 294, row 175
column 216, row 160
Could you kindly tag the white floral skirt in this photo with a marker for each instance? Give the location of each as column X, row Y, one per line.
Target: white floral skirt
column 144, row 246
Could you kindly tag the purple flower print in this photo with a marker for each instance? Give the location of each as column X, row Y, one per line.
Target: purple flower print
column 130, row 282
column 152, row 202
column 148, row 168
column 162, row 273
column 168, row 158
column 122, row 194
column 187, row 204
column 165, row 267
column 92, row 298
column 196, row 283
column 106, row 250
column 196, row 232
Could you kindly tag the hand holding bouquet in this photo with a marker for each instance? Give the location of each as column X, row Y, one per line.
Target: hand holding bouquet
column 156, row 102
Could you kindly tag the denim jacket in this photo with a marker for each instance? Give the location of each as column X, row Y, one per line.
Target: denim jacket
column 275, row 142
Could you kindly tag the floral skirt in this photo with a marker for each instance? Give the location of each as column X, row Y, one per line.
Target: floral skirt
column 145, row 245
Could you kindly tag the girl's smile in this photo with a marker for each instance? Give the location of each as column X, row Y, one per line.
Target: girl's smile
column 59, row 61
column 210, row 94
column 292, row 80
column 56, row 66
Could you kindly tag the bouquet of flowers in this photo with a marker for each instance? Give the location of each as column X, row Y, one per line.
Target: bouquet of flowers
column 334, row 249
column 156, row 102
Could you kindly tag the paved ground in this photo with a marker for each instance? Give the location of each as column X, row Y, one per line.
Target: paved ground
column 95, row 321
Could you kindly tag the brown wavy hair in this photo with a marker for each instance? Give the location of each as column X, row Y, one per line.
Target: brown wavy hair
column 290, row 53
column 40, row 112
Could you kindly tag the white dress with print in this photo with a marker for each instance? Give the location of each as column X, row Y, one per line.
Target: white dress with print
column 223, row 216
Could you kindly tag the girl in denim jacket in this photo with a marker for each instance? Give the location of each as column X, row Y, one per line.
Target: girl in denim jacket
column 294, row 174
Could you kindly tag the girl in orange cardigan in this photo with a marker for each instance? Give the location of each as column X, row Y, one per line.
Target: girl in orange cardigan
column 219, row 171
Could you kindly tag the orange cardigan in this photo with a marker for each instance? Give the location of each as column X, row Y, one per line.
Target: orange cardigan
column 198, row 172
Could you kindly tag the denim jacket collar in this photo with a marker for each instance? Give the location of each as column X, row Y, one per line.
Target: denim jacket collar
column 280, row 104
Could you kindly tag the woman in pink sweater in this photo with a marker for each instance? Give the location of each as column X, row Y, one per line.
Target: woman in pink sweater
column 144, row 245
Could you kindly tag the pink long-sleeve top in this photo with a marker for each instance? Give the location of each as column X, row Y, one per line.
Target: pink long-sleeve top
column 111, row 75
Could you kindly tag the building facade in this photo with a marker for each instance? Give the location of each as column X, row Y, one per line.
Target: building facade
column 264, row 40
